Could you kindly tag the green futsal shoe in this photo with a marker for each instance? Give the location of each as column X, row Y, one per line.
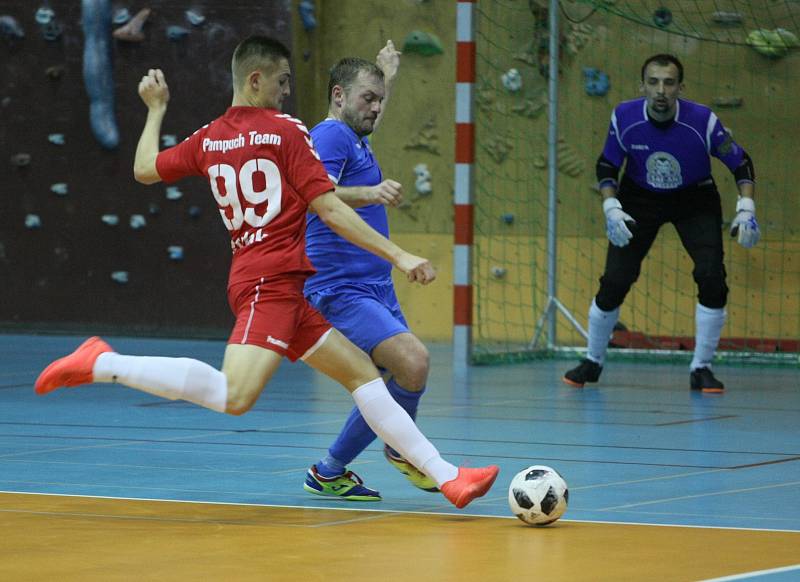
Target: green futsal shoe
column 348, row 486
column 418, row 478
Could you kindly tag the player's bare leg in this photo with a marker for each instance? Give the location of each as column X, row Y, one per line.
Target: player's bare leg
column 342, row 361
column 248, row 369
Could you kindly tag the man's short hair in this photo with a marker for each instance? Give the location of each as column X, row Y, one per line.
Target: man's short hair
column 253, row 53
column 664, row 60
column 345, row 72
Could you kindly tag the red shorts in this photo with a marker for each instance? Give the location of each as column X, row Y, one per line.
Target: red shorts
column 273, row 314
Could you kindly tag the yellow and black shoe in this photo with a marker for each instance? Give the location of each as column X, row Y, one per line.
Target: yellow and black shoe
column 415, row 476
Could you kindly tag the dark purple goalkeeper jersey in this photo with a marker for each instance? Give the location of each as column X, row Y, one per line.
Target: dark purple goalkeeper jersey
column 673, row 157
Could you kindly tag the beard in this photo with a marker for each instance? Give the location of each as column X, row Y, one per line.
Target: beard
column 361, row 126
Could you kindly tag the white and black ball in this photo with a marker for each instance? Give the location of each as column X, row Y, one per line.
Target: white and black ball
column 538, row 495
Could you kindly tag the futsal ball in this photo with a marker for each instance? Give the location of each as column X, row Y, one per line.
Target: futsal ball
column 538, row 495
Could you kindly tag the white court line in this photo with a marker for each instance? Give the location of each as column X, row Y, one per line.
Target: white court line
column 754, row 573
column 382, row 511
column 727, row 492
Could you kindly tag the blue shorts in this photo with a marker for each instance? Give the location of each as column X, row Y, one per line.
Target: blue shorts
column 365, row 313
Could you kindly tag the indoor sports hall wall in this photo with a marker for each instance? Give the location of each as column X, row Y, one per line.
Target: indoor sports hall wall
column 602, row 48
column 417, row 129
column 60, row 274
column 70, row 255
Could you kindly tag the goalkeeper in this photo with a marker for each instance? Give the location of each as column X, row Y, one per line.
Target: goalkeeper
column 666, row 143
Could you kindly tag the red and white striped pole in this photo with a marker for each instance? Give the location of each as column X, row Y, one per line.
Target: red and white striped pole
column 462, row 197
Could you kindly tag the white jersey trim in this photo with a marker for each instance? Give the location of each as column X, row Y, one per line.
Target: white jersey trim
column 616, row 130
column 252, row 311
column 316, row 345
column 712, row 121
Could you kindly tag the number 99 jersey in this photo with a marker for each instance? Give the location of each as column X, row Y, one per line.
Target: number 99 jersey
column 263, row 172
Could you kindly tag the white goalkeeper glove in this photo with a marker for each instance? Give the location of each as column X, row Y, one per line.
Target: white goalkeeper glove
column 616, row 229
column 744, row 225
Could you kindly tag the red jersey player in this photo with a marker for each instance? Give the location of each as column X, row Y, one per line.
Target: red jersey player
column 264, row 175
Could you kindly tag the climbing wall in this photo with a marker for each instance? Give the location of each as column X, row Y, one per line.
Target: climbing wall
column 82, row 245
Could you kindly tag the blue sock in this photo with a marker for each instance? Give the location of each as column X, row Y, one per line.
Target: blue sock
column 356, row 435
column 330, row 467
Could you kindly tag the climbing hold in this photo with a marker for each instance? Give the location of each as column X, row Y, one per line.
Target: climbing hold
column 132, row 31
column 195, row 211
column 45, row 15
column 56, row 138
column 33, row 221
column 507, row 218
column 168, row 140
column 120, row 277
column 97, row 71
column 21, row 160
column 121, row 16
column 110, row 219
column 423, row 43
column 595, row 81
column 306, row 9
column 498, row 272
column 10, row 28
column 662, row 17
column 772, row 43
column 54, row 72
column 52, row 31
column 176, row 33
column 731, row 101
column 511, row 80
column 423, row 180
column 59, row 188
column 175, row 252
column 137, row 221
column 153, row 209
column 174, row 193
column 194, row 17
column 721, row 17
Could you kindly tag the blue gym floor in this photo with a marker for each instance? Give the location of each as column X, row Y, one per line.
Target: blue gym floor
column 638, row 448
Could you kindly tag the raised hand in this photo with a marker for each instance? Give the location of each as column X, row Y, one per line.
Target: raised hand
column 153, row 89
column 616, row 228
column 388, row 60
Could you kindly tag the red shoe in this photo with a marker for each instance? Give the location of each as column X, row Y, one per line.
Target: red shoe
column 74, row 369
column 469, row 484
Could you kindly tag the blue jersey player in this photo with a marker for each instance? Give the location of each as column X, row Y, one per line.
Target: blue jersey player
column 665, row 143
column 352, row 288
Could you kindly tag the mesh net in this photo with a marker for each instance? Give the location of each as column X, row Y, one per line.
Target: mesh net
column 741, row 59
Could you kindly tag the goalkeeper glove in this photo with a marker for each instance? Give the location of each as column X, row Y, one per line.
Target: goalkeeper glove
column 744, row 225
column 616, row 229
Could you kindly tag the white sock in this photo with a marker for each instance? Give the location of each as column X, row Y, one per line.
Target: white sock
column 394, row 426
column 601, row 326
column 708, row 324
column 171, row 378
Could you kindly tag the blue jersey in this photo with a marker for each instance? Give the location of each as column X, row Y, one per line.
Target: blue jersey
column 349, row 161
column 674, row 155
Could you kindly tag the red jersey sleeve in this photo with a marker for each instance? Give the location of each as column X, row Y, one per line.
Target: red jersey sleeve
column 304, row 171
column 181, row 160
